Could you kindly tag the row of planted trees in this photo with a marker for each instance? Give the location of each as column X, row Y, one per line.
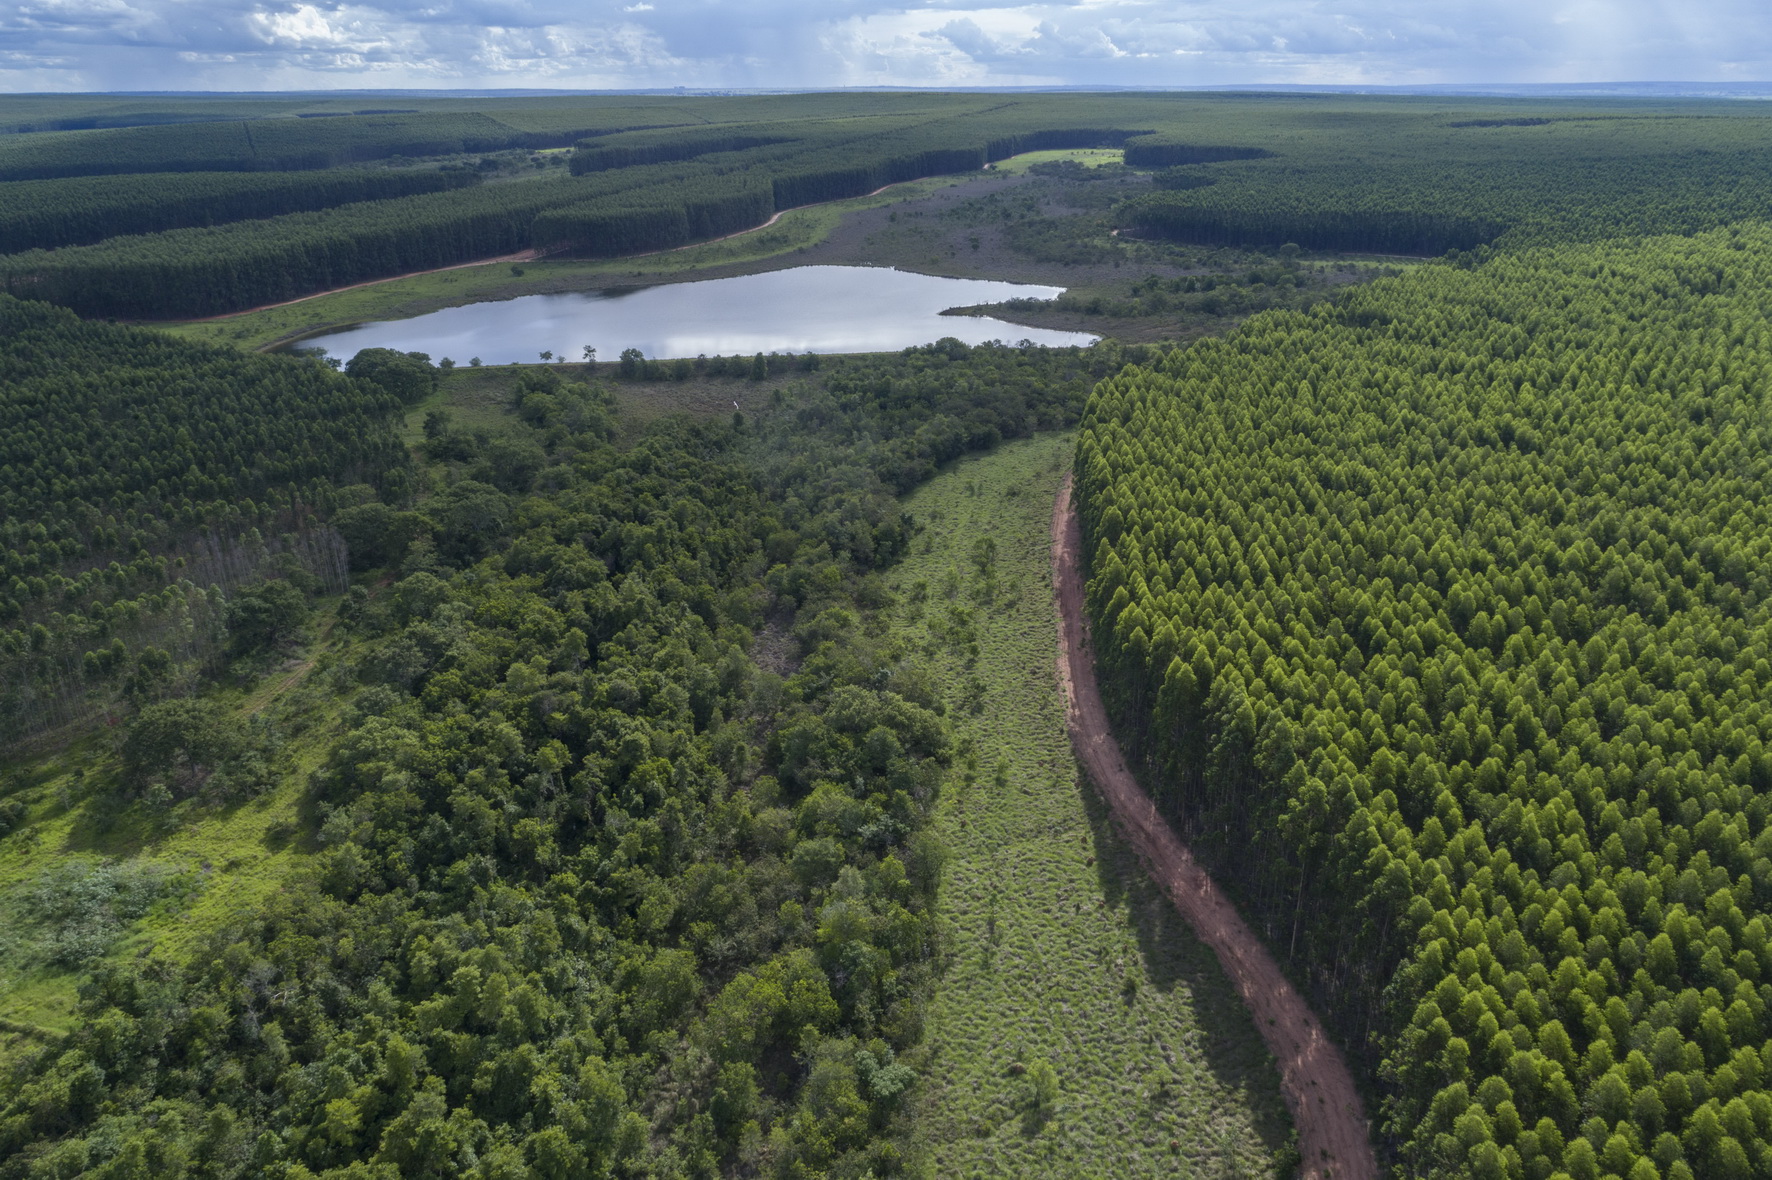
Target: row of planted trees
column 1386, row 179
column 1442, row 200
column 1440, row 619
column 142, row 478
column 282, row 144
column 47, row 214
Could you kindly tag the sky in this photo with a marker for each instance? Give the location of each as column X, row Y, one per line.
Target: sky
column 359, row 44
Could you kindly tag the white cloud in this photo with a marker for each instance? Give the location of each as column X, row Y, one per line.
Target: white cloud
column 129, row 44
column 303, row 27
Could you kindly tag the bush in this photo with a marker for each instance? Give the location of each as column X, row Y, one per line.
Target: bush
column 512, row 465
column 407, row 375
column 1042, row 1092
column 82, row 908
column 264, row 616
column 470, row 516
column 179, row 745
column 376, row 534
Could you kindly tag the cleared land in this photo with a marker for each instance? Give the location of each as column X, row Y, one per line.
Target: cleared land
column 81, row 882
column 1061, row 950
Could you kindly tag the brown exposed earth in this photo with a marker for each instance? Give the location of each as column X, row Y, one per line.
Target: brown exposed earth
column 1318, row 1088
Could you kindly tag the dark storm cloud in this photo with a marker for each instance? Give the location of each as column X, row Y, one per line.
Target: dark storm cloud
column 190, row 44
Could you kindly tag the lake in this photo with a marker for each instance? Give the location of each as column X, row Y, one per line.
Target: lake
column 805, row 309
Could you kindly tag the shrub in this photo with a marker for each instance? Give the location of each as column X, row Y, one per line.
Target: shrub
column 264, row 616
column 376, row 534
column 180, row 744
column 407, row 375
column 81, row 908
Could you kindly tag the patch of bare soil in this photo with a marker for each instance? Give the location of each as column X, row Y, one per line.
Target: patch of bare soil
column 773, row 649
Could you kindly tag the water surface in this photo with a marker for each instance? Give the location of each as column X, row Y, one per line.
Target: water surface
column 804, row 309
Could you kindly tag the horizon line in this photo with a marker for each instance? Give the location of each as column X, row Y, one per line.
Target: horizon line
column 1621, row 89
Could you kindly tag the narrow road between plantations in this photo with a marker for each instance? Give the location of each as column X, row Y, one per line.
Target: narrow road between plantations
column 1319, row 1090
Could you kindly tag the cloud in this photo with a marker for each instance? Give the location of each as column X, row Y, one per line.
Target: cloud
column 968, row 38
column 216, row 44
column 305, row 26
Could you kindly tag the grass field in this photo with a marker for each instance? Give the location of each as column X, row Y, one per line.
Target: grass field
column 1061, row 953
column 1089, row 157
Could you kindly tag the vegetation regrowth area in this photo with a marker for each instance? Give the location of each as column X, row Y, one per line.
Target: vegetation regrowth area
column 1060, row 951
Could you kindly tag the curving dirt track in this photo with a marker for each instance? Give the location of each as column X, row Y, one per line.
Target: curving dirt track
column 1319, row 1090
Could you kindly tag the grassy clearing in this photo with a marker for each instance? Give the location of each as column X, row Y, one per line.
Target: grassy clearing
column 797, row 229
column 219, row 863
column 1061, row 951
column 477, row 400
column 1088, row 157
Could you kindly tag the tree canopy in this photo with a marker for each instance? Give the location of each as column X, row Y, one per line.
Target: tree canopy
column 1441, row 617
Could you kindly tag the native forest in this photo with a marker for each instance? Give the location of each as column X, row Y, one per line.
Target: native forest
column 1319, row 725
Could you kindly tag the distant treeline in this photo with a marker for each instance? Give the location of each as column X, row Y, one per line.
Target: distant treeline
column 712, row 209
column 1387, row 178
column 1380, row 229
column 1441, row 191
column 1154, row 152
column 45, row 214
column 598, row 156
column 274, row 145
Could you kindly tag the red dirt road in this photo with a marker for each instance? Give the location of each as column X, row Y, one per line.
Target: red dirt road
column 1319, row 1090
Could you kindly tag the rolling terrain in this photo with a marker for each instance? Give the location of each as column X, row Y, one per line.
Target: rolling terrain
column 674, row 767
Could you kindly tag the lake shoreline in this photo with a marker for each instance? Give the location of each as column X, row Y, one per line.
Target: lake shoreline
column 833, row 233
column 793, row 310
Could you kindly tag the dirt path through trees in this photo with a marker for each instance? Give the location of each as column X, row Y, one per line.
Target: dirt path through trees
column 1319, row 1090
